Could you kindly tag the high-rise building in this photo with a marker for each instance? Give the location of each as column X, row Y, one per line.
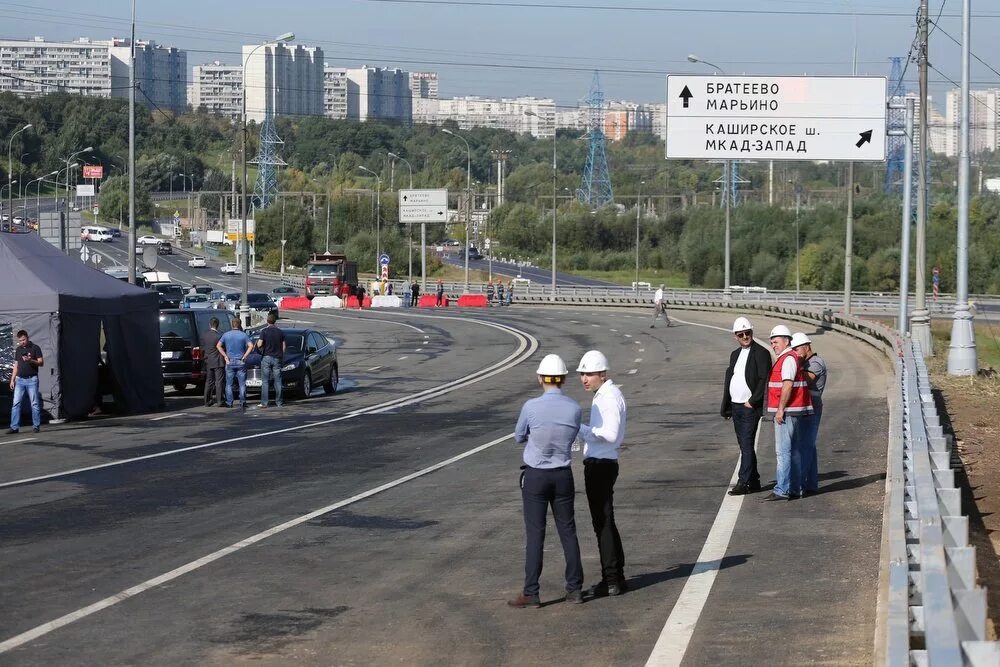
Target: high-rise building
column 283, row 79
column 624, row 117
column 218, row 87
column 378, row 93
column 658, row 120
column 504, row 113
column 160, row 73
column 983, row 125
column 36, row 67
column 335, row 92
column 424, row 91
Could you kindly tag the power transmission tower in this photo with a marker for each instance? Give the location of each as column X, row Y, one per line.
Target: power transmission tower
column 595, row 190
column 267, row 162
column 897, row 117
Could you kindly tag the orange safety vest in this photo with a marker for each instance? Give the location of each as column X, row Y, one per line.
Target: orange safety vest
column 800, row 402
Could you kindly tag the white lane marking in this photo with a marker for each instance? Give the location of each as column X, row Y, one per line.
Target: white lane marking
column 637, row 361
column 642, row 349
column 633, row 371
column 12, row 442
column 403, row 357
column 596, row 326
column 176, row 414
column 573, row 322
column 614, row 331
column 527, row 346
column 419, row 349
column 677, row 631
column 72, row 617
column 374, row 368
column 373, row 319
column 628, row 335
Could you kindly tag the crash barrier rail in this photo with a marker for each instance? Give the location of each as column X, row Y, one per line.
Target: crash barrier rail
column 935, row 611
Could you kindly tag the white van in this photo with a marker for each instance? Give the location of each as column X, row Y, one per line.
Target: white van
column 95, row 234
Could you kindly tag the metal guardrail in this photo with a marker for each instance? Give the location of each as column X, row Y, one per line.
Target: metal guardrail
column 935, row 611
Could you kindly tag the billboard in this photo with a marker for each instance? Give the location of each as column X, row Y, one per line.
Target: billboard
column 84, row 191
column 93, row 171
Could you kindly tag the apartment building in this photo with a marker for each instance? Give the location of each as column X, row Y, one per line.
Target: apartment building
column 36, row 67
column 424, row 92
column 335, row 92
column 283, row 79
column 983, row 126
column 160, row 72
column 379, row 93
column 503, row 113
column 217, row 87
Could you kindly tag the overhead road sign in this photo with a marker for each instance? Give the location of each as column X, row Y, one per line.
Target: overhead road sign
column 836, row 118
column 423, row 205
column 93, row 171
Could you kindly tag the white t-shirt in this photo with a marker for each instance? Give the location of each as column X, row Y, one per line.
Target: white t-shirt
column 789, row 367
column 658, row 297
column 739, row 390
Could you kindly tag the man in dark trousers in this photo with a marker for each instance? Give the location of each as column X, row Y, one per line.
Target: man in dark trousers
column 743, row 395
column 215, row 367
column 24, row 380
column 414, row 294
column 272, row 349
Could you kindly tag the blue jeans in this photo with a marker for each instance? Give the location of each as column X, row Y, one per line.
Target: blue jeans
column 240, row 371
column 810, row 459
column 788, row 451
column 270, row 367
column 745, row 421
column 29, row 385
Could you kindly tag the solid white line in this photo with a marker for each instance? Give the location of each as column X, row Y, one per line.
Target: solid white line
column 72, row 617
column 374, row 368
column 11, row 442
column 176, row 414
column 527, row 346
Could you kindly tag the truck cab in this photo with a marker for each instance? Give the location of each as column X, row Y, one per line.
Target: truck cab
column 330, row 274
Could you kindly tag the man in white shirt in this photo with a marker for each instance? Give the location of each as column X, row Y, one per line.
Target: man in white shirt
column 659, row 306
column 602, row 439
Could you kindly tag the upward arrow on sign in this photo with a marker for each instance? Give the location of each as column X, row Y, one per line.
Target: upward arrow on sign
column 686, row 96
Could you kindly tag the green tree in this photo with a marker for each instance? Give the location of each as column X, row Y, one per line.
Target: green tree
column 298, row 230
column 113, row 200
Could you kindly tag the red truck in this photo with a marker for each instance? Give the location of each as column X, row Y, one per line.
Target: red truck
column 329, row 273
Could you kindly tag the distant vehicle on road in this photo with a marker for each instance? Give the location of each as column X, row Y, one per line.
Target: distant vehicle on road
column 284, row 290
column 197, row 263
column 452, row 242
column 164, row 248
column 330, row 273
column 230, row 268
column 94, row 234
column 147, row 240
column 255, row 300
column 310, row 360
column 170, row 294
column 196, row 301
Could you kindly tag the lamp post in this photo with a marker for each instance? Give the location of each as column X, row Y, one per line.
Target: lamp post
column 244, row 306
column 552, row 296
column 10, row 169
column 423, row 235
column 20, row 192
column 638, row 209
column 378, row 212
column 468, row 198
column 63, row 228
column 727, row 177
column 38, row 196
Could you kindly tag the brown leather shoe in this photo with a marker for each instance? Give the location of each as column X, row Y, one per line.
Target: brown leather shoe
column 522, row 601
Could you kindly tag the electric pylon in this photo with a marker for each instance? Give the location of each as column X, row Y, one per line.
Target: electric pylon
column 595, row 190
column 267, row 162
column 896, row 148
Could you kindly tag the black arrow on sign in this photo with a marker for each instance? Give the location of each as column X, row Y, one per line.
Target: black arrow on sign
column 866, row 138
column 406, row 197
column 686, row 96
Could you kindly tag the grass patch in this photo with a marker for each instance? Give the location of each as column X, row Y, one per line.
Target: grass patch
column 987, row 341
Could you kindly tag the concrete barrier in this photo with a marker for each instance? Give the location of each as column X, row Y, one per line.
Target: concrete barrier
column 295, row 303
column 430, row 301
column 327, row 302
column 473, row 301
column 386, row 302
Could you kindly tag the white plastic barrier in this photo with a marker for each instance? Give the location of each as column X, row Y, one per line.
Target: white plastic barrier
column 386, row 302
column 327, row 302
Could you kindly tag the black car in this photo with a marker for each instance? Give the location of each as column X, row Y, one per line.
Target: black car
column 310, row 360
column 284, row 290
column 164, row 248
column 181, row 356
column 171, row 294
column 255, row 300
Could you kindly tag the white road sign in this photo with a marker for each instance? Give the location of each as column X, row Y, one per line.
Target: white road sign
column 776, row 118
column 423, row 205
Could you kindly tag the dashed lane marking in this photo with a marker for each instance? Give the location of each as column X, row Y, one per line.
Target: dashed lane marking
column 637, row 361
column 403, row 357
column 633, row 371
column 373, row 368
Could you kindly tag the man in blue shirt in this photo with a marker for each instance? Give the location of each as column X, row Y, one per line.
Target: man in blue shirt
column 547, row 427
column 234, row 346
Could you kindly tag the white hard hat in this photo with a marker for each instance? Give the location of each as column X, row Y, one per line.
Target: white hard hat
column 552, row 364
column 742, row 324
column 800, row 338
column 592, row 362
column 780, row 330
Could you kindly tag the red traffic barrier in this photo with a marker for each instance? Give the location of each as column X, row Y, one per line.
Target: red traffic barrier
column 473, row 301
column 430, row 301
column 367, row 303
column 351, row 302
column 296, row 303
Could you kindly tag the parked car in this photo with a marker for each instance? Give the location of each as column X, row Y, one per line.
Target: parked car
column 147, row 240
column 256, row 300
column 230, row 267
column 197, row 263
column 310, row 360
column 164, row 248
column 181, row 356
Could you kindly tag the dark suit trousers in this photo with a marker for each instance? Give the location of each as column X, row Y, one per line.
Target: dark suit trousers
column 215, row 383
column 600, row 475
column 745, row 421
column 539, row 489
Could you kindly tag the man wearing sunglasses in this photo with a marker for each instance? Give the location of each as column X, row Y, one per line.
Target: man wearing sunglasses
column 743, row 394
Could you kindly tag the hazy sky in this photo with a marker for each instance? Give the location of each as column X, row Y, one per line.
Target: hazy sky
column 545, row 48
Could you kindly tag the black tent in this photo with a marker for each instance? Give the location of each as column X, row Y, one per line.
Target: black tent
column 63, row 304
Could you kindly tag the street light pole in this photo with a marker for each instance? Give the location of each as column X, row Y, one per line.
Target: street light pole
column 555, row 206
column 727, row 169
column 38, row 196
column 638, row 208
column 244, row 305
column 63, row 228
column 410, row 226
column 10, row 170
column 468, row 197
column 378, row 213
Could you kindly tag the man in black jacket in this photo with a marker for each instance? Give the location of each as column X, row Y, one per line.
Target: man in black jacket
column 743, row 396
column 215, row 367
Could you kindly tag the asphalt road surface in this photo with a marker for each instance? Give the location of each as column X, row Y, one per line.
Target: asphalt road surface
column 322, row 532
